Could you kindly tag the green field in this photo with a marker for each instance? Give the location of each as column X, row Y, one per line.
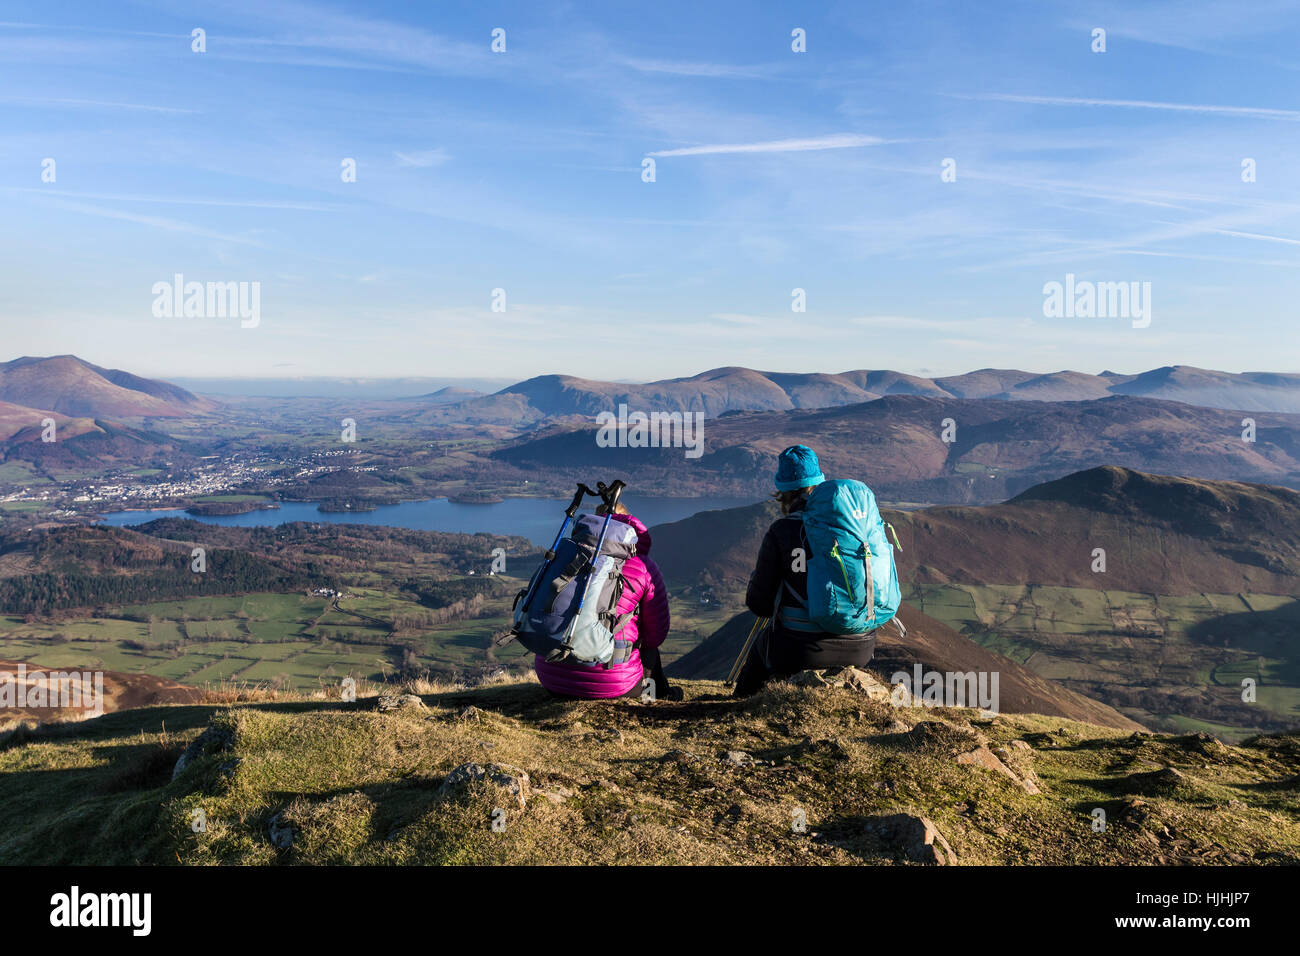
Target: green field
column 1141, row 652
column 292, row 640
column 24, row 507
column 19, row 473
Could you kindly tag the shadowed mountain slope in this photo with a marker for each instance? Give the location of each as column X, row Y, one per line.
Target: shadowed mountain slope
column 935, row 647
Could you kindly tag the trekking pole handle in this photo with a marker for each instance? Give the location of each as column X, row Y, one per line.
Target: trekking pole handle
column 610, row 493
column 576, row 503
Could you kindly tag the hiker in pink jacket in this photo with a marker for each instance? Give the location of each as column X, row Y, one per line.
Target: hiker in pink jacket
column 644, row 587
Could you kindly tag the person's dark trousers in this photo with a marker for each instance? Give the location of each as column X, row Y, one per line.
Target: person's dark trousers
column 778, row 654
column 653, row 666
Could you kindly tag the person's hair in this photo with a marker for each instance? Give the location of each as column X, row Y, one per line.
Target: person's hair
column 788, row 499
column 618, row 509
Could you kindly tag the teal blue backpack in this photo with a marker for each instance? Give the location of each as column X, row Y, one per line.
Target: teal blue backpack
column 852, row 581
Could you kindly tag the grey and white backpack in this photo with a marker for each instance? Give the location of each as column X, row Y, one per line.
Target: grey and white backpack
column 567, row 612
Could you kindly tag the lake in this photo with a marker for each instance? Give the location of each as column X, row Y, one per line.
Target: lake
column 537, row 519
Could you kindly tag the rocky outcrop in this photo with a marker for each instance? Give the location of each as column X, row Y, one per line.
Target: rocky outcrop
column 508, row 778
column 991, row 760
column 853, row 678
column 970, row 748
column 212, row 740
column 282, row 834
column 738, row 759
column 914, row 837
column 387, row 702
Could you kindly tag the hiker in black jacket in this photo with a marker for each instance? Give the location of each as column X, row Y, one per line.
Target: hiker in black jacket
column 780, row 578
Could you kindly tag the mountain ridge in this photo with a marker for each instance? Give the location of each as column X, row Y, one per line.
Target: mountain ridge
column 901, row 446
column 974, row 543
column 78, row 389
column 731, row 388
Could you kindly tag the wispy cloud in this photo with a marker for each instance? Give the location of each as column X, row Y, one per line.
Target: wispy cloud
column 183, row 200
column 157, row 222
column 1161, row 232
column 1111, row 175
column 80, row 28
column 907, row 322
column 1201, row 27
column 422, row 159
column 91, row 104
column 1259, row 236
column 362, row 40
column 737, row 318
column 1256, row 111
column 1280, row 263
column 838, row 141
column 679, row 68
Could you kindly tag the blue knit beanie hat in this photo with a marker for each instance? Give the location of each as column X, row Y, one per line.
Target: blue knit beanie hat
column 797, row 467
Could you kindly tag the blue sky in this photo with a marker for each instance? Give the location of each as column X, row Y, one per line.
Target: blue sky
column 775, row 170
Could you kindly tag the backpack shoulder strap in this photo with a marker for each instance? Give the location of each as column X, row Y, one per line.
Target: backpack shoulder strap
column 623, row 649
column 561, row 580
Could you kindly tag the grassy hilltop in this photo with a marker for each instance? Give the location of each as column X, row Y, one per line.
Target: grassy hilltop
column 708, row 780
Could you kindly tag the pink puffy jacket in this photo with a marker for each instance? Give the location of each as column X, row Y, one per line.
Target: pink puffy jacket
column 645, row 586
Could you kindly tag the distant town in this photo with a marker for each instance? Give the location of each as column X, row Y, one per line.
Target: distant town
column 121, row 490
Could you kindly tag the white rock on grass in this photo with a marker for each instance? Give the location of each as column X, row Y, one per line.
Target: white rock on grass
column 510, row 778
column 389, row 702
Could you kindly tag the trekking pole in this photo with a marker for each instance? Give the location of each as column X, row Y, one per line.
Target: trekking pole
column 759, row 622
column 569, row 512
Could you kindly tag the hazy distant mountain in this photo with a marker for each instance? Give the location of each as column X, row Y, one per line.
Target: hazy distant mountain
column 713, row 392
column 896, row 444
column 741, row 389
column 984, row 383
column 71, row 386
column 451, row 393
column 1248, row 391
column 358, row 388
